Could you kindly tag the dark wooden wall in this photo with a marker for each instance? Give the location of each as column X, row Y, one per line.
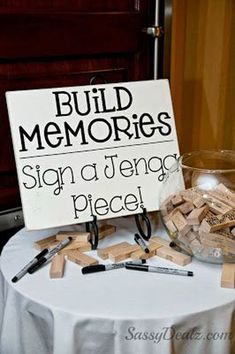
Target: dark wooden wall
column 66, row 43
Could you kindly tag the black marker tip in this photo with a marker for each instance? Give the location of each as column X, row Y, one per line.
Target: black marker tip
column 146, row 250
column 190, row 274
column 14, row 280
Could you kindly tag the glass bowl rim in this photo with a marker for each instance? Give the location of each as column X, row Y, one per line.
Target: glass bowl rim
column 205, row 170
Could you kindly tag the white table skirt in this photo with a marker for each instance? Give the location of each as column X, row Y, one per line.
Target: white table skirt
column 114, row 312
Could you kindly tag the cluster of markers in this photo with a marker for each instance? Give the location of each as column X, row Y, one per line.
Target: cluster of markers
column 46, row 254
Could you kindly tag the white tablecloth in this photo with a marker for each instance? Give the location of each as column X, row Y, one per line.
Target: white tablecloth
column 114, row 312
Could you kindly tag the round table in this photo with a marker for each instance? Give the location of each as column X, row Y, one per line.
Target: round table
column 114, row 312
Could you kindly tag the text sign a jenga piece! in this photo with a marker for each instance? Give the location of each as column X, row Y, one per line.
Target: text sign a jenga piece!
column 91, row 150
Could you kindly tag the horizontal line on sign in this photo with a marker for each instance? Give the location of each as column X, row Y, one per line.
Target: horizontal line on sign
column 107, row 148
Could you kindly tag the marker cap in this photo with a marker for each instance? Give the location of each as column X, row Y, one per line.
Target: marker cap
column 93, row 269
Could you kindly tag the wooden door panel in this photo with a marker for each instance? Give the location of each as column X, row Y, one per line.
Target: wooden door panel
column 67, row 43
column 68, row 34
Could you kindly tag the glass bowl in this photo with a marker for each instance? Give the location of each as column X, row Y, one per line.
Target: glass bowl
column 197, row 204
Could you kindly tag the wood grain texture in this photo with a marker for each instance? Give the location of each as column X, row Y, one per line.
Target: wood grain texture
column 203, row 73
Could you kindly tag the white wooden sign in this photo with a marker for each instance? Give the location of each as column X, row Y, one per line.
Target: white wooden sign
column 91, row 150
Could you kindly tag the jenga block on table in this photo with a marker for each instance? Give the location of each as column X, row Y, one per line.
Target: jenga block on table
column 196, row 216
column 52, row 244
column 74, row 245
column 76, row 235
column 160, row 241
column 140, row 254
column 43, row 243
column 228, row 275
column 57, row 266
column 84, row 246
column 81, row 258
column 173, row 256
column 106, row 230
column 119, row 255
column 104, row 252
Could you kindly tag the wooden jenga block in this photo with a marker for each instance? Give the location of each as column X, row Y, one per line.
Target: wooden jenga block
column 180, row 223
column 212, row 243
column 197, row 215
column 217, row 206
column 76, row 235
column 168, row 217
column 196, row 246
column 81, row 258
column 217, row 222
column 191, row 235
column 104, row 252
column 43, row 243
column 119, row 255
column 140, row 254
column 226, row 195
column 160, row 241
column 222, row 188
column 228, row 275
column 167, row 205
column 194, row 196
column 184, row 239
column 57, row 266
column 106, row 230
column 173, row 256
column 177, row 200
column 170, row 225
column 195, row 228
column 181, row 247
column 53, row 244
column 186, row 207
column 84, row 247
column 74, row 245
column 218, row 240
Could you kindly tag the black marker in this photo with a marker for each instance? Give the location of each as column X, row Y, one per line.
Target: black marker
column 49, row 255
column 103, row 267
column 146, row 268
column 138, row 239
column 24, row 270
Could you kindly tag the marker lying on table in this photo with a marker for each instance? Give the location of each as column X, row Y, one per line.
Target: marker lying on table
column 138, row 239
column 146, row 268
column 103, row 267
column 49, row 255
column 24, row 270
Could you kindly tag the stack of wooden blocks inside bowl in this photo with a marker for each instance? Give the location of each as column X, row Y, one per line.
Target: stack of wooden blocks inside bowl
column 203, row 220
